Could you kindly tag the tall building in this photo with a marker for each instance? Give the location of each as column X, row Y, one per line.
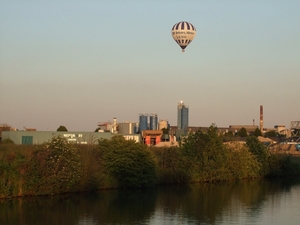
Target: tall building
column 182, row 116
column 143, row 121
column 153, row 122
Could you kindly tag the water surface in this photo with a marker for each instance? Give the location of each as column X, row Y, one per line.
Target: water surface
column 246, row 202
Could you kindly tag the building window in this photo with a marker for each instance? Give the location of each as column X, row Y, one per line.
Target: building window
column 27, row 140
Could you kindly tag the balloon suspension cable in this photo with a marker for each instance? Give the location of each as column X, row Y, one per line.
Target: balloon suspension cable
column 183, row 50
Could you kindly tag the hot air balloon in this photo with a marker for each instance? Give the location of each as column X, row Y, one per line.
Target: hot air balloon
column 183, row 33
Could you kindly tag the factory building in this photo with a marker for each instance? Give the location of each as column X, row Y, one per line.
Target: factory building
column 108, row 126
column 151, row 137
column 40, row 137
column 128, row 128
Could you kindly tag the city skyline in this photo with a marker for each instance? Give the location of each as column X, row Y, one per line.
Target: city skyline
column 76, row 63
column 151, row 121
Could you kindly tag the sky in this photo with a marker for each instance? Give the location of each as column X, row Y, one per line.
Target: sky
column 76, row 63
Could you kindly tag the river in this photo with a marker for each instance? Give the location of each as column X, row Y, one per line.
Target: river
column 244, row 202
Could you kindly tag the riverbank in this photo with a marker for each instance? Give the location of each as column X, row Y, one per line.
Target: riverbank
column 60, row 167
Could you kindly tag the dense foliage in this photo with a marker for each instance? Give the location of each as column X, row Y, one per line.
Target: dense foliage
column 211, row 160
column 54, row 167
column 242, row 132
column 130, row 163
column 7, row 141
column 259, row 150
column 257, row 132
column 172, row 166
column 60, row 167
column 62, row 128
column 271, row 133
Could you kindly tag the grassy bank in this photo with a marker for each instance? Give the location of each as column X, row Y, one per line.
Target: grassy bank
column 60, row 167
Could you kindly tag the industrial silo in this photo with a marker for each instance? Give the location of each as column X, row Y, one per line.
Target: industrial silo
column 127, row 128
column 153, row 122
column 143, row 121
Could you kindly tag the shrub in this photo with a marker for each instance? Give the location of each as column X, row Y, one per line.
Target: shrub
column 55, row 167
column 206, row 156
column 171, row 166
column 130, row 163
column 283, row 166
column 13, row 168
column 92, row 173
column 8, row 141
column 242, row 163
column 260, row 152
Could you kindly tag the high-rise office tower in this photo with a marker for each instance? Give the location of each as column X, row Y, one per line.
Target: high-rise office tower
column 182, row 116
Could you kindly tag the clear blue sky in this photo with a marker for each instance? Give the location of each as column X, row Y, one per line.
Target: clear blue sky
column 77, row 63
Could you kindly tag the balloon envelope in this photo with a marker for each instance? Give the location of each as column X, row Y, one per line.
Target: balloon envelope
column 183, row 33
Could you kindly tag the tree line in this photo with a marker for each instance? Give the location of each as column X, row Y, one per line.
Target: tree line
column 60, row 167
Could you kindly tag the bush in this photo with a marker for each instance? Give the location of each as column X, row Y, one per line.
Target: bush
column 209, row 159
column 260, row 152
column 13, row 169
column 62, row 128
column 8, row 141
column 206, row 156
column 92, row 172
column 130, row 163
column 283, row 166
column 54, row 168
column 242, row 163
column 60, row 167
column 171, row 166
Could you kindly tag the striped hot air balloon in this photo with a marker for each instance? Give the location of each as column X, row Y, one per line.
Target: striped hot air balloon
column 183, row 33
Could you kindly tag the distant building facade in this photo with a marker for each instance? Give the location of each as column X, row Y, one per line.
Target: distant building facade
column 151, row 137
column 163, row 124
column 128, row 128
column 182, row 116
column 40, row 137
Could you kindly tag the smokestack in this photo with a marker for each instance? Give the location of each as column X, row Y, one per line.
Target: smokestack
column 261, row 119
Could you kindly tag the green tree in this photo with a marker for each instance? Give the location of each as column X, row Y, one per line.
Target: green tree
column 241, row 162
column 165, row 130
column 257, row 132
column 8, row 141
column 62, row 128
column 205, row 155
column 55, row 167
column 131, row 164
column 260, row 151
column 228, row 136
column 171, row 165
column 242, row 132
column 271, row 133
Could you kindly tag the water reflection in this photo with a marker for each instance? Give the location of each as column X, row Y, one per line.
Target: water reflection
column 246, row 202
